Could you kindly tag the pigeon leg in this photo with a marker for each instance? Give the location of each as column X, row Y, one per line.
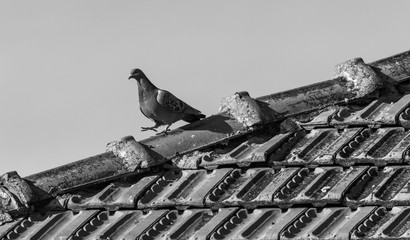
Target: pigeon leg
column 153, row 128
column 165, row 132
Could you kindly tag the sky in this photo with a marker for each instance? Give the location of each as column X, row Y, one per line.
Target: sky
column 64, row 65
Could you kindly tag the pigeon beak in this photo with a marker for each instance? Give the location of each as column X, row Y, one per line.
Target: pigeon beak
column 132, row 76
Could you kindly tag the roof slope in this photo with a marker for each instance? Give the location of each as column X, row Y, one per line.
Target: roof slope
column 324, row 161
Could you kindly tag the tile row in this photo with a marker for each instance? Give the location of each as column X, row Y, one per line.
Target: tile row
column 368, row 222
column 379, row 112
column 257, row 187
column 323, row 146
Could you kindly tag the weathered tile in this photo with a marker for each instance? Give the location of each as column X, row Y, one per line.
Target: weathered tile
column 258, row 188
column 318, row 186
column 265, row 223
column 385, row 223
column 327, row 223
column 114, row 196
column 321, row 120
column 376, row 114
column 319, row 146
column 388, row 186
column 247, row 153
column 182, row 188
column 375, row 146
column 58, row 225
column 125, row 225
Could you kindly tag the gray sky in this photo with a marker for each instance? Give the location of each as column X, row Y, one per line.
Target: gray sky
column 64, row 64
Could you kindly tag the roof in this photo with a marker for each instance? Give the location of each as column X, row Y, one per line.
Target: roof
column 324, row 161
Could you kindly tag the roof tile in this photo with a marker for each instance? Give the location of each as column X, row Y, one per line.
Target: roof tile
column 377, row 113
column 182, row 188
column 327, row 223
column 118, row 224
column 318, row 186
column 313, row 148
column 246, row 153
column 375, row 146
column 394, row 68
column 6, row 229
column 53, row 225
column 385, row 224
column 258, row 188
column 114, row 196
column 388, row 186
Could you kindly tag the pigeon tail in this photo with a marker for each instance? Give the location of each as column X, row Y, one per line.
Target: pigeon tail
column 193, row 117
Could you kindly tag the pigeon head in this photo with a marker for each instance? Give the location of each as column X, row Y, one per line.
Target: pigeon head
column 137, row 74
column 142, row 80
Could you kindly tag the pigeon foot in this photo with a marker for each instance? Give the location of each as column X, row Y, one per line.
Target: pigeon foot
column 165, row 132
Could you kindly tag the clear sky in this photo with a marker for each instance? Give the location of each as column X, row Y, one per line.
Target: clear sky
column 64, row 65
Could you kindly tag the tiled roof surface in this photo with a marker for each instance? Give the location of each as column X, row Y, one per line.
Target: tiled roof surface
column 283, row 166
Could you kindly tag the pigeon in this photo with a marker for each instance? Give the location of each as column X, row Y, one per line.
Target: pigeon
column 161, row 106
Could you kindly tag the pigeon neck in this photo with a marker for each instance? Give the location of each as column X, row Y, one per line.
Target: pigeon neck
column 145, row 87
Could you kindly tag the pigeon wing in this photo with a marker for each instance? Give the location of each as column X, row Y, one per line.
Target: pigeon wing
column 170, row 102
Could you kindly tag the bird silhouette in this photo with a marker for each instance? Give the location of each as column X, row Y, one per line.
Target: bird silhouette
column 161, row 106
